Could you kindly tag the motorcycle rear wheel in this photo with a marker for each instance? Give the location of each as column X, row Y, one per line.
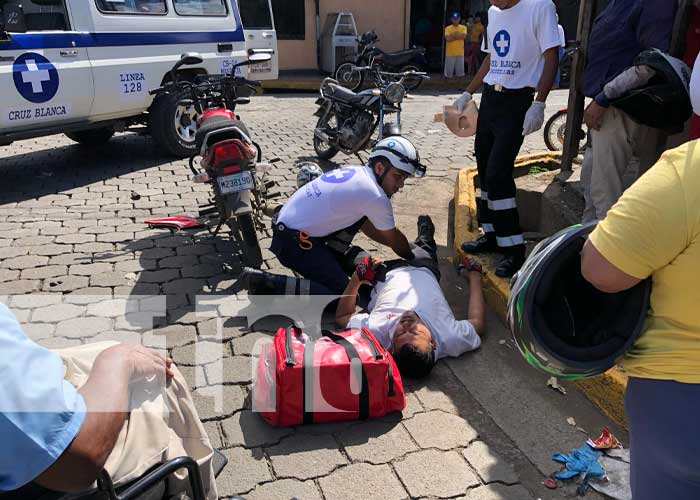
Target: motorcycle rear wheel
column 349, row 78
column 324, row 150
column 244, row 233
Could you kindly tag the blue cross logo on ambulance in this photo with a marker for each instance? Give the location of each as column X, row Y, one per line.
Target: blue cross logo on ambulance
column 36, row 79
column 501, row 43
column 338, row 175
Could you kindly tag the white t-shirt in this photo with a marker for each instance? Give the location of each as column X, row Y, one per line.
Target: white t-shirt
column 337, row 200
column 416, row 289
column 562, row 36
column 517, row 39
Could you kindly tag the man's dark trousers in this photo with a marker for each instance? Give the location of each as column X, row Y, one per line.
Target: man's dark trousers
column 499, row 135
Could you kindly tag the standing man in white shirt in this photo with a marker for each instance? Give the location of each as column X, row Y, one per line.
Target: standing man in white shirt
column 522, row 42
column 408, row 312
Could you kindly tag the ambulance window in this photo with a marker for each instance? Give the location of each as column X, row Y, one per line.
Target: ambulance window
column 142, row 7
column 200, row 7
column 20, row 17
column 255, row 14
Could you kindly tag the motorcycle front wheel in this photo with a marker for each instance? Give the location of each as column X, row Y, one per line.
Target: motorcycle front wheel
column 348, row 77
column 324, row 150
column 555, row 132
column 245, row 234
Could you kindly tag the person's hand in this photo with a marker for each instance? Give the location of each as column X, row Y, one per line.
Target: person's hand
column 534, row 118
column 462, row 101
column 470, row 266
column 365, row 271
column 593, row 116
column 140, row 362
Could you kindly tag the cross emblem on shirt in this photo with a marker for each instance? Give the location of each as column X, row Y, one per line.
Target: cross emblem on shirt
column 501, row 43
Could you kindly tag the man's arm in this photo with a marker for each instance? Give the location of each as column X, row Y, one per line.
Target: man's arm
column 106, row 395
column 392, row 238
column 549, row 72
column 348, row 302
column 476, row 314
column 480, row 75
column 600, row 273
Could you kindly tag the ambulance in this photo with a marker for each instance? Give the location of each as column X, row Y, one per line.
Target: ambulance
column 85, row 67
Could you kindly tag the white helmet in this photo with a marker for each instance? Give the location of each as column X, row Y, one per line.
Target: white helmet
column 400, row 153
column 308, row 171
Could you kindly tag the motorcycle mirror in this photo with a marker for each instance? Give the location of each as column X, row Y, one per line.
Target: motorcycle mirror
column 190, row 58
column 186, row 59
column 254, row 59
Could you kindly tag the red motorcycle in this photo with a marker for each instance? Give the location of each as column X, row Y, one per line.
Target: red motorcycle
column 229, row 159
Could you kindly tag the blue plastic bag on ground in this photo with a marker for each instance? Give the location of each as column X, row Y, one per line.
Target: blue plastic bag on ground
column 581, row 460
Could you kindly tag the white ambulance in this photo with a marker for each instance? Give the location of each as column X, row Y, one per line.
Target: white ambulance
column 84, row 67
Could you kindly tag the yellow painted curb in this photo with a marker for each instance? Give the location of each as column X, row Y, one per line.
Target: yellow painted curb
column 606, row 391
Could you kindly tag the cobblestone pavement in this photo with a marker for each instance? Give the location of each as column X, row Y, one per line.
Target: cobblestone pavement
column 73, row 250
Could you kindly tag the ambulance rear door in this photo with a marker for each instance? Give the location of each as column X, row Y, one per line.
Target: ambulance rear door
column 260, row 37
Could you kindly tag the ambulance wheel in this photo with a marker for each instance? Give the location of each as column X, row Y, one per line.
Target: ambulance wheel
column 173, row 125
column 91, row 138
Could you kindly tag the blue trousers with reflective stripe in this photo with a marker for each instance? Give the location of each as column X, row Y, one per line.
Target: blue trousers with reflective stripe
column 499, row 135
column 664, row 424
column 321, row 265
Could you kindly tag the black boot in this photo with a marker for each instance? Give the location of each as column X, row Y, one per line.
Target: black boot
column 259, row 282
column 426, row 228
column 512, row 262
column 486, row 243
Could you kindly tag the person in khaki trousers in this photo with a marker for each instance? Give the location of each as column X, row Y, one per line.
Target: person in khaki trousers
column 65, row 415
column 623, row 30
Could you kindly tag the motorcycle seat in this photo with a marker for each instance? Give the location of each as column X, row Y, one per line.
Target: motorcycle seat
column 400, row 58
column 343, row 94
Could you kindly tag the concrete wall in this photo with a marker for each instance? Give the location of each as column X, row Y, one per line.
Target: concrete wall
column 389, row 18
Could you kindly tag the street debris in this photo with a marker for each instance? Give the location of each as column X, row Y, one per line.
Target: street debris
column 601, row 464
column 571, row 421
column 135, row 196
column 554, row 384
column 551, row 483
column 502, row 342
column 605, row 441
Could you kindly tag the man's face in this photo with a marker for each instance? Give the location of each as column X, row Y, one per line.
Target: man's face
column 393, row 181
column 411, row 330
column 456, row 20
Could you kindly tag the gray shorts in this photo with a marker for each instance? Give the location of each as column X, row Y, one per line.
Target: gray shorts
column 454, row 66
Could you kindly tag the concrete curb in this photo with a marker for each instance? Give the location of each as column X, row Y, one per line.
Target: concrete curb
column 313, row 84
column 605, row 391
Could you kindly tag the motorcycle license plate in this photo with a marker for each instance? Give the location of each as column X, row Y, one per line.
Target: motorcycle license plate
column 236, row 182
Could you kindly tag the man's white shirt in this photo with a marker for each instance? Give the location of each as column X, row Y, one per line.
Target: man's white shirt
column 416, row 289
column 337, row 200
column 517, row 40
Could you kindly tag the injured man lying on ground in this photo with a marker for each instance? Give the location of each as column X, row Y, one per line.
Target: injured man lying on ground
column 408, row 312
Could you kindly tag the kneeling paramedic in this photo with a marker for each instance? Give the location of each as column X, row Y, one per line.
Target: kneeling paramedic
column 313, row 233
column 408, row 312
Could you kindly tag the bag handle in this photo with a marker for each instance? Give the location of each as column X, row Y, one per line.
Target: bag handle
column 288, row 351
column 353, row 354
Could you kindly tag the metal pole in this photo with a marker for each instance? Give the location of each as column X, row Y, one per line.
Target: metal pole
column 574, row 117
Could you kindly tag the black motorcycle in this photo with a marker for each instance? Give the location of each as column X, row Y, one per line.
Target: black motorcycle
column 352, row 74
column 348, row 120
column 229, row 160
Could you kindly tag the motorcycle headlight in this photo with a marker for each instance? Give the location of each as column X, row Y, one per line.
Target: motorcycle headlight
column 394, row 93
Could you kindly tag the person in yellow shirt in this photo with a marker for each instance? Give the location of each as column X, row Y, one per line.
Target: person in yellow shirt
column 654, row 231
column 455, row 34
column 477, row 30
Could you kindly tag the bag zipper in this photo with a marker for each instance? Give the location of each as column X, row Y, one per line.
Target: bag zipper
column 372, row 346
column 289, row 352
